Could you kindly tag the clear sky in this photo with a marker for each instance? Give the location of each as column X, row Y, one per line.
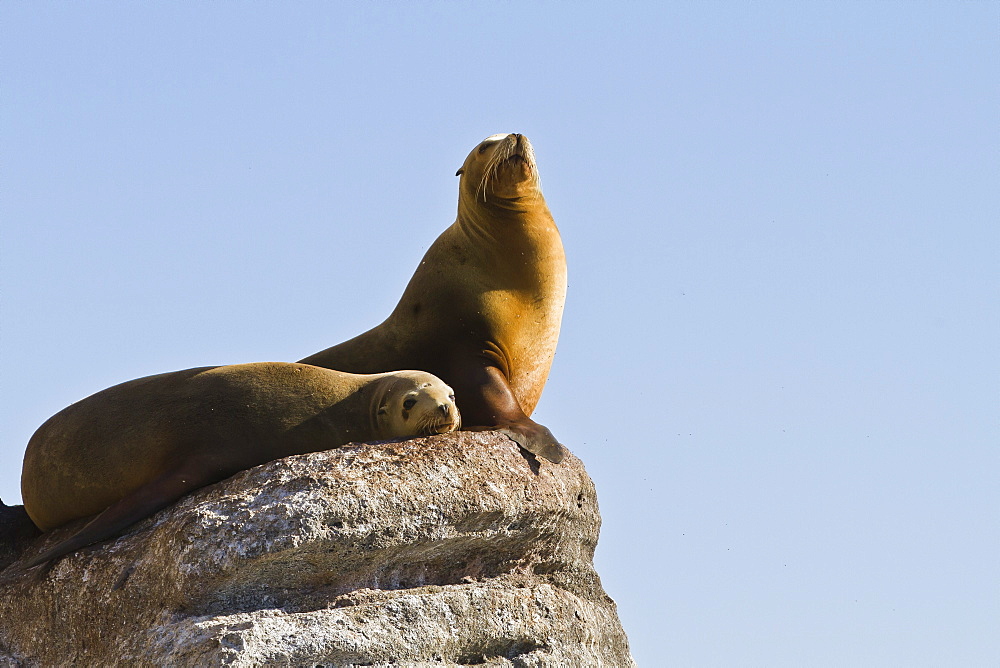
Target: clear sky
column 779, row 356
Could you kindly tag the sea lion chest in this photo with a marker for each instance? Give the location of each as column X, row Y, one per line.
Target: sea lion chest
column 498, row 292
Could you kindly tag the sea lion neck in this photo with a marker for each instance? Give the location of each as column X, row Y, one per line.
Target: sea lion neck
column 504, row 217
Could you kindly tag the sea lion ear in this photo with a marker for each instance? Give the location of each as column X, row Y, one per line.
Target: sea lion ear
column 460, row 171
column 383, row 409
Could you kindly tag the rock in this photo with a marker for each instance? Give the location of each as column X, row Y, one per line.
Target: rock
column 16, row 532
column 451, row 550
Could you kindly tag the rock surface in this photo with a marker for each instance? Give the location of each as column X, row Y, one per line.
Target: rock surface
column 452, row 550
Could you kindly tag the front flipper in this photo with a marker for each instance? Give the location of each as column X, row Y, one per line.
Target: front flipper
column 491, row 404
column 536, row 439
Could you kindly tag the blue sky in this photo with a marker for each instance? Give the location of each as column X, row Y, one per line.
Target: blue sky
column 778, row 359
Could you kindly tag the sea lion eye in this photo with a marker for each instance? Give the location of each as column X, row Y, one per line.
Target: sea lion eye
column 451, row 397
column 483, row 147
column 409, row 403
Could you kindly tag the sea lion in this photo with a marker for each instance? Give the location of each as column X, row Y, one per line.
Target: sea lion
column 137, row 447
column 483, row 309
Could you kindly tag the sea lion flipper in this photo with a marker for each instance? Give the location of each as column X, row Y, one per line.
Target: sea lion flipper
column 494, row 406
column 536, row 439
column 138, row 505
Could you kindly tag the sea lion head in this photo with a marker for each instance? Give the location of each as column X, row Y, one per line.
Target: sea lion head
column 501, row 167
column 414, row 403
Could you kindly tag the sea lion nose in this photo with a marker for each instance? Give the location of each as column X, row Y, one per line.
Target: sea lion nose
column 445, row 408
column 517, row 138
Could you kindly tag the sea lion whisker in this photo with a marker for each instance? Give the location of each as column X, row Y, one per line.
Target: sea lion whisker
column 433, row 425
column 489, row 173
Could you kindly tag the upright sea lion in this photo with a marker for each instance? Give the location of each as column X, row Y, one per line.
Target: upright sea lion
column 137, row 447
column 483, row 309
